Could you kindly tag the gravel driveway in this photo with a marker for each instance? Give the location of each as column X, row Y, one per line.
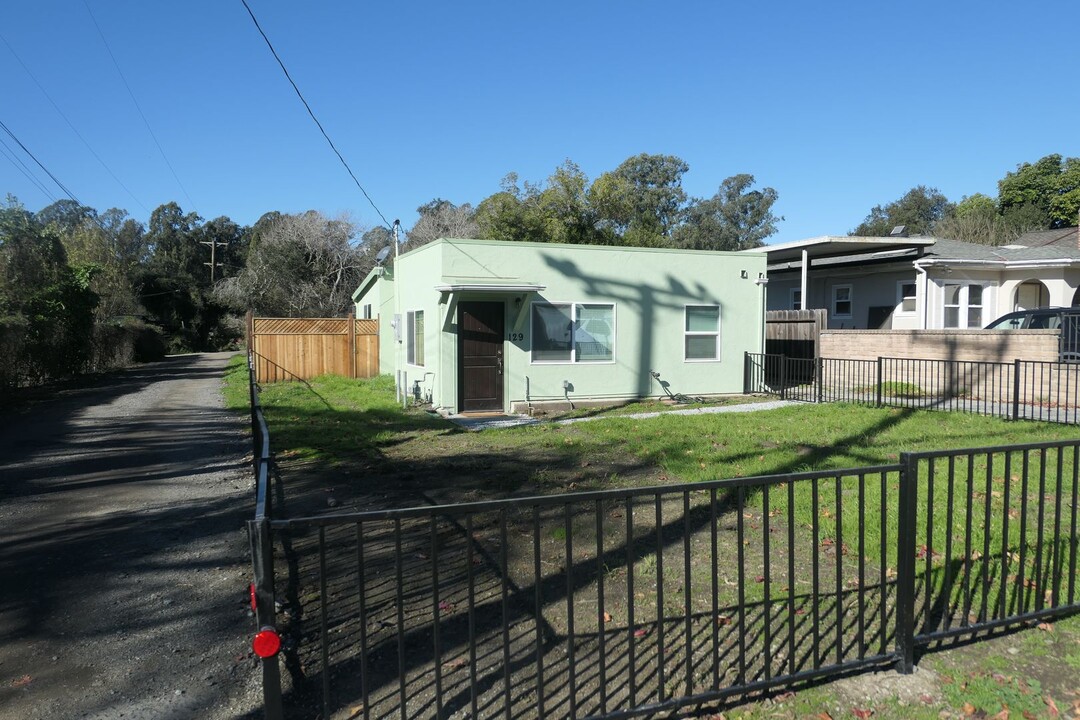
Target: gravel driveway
column 123, row 555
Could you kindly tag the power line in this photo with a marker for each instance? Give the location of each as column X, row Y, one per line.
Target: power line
column 34, row 158
column 95, row 218
column 137, row 107
column 311, row 113
column 14, row 159
column 70, row 125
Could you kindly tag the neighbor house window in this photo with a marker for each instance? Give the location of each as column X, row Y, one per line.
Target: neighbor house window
column 796, row 298
column 367, row 311
column 963, row 306
column 701, row 340
column 573, row 332
column 414, row 334
column 841, row 301
column 905, row 296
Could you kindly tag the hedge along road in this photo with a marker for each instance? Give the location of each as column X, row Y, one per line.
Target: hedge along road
column 123, row 555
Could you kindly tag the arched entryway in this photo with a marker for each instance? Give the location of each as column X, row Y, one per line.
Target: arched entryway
column 1031, row 294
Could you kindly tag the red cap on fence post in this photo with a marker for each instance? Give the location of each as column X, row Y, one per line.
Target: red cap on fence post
column 267, row 643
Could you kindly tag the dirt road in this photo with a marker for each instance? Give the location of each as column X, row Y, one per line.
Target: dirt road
column 123, row 554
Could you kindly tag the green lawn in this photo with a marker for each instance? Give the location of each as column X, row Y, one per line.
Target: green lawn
column 336, row 420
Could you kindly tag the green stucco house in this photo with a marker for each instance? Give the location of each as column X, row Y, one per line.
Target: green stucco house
column 490, row 326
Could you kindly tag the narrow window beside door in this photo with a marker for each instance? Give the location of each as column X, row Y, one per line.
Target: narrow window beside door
column 414, row 335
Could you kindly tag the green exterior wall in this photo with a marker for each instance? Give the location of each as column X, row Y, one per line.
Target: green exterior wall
column 377, row 289
column 649, row 288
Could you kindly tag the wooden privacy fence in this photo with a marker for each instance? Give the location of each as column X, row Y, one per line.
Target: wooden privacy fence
column 303, row 348
column 794, row 333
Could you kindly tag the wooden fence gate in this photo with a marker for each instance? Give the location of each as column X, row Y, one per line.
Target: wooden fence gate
column 794, row 333
column 303, row 348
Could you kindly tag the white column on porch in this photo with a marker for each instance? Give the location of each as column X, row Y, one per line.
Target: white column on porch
column 805, row 303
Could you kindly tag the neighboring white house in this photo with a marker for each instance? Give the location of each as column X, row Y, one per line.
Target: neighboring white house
column 923, row 283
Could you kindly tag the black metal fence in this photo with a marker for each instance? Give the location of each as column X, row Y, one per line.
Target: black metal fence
column 1022, row 389
column 262, row 545
column 623, row 602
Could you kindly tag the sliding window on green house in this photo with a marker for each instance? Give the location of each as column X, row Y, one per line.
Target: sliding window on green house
column 573, row 332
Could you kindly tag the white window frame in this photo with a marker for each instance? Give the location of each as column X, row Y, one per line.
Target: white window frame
column 900, row 297
column 573, row 305
column 411, row 336
column 702, row 333
column 796, row 299
column 850, row 301
column 963, row 306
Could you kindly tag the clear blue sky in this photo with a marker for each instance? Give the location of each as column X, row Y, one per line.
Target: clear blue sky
column 837, row 105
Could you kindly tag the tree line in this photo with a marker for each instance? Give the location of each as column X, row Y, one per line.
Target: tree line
column 640, row 203
column 1036, row 196
column 83, row 291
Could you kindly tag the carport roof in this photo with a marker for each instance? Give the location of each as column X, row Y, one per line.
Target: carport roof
column 838, row 249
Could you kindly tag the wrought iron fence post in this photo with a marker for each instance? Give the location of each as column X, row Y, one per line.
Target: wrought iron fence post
column 1016, row 390
column 262, row 560
column 746, row 373
column 783, row 377
column 877, row 396
column 820, row 366
column 905, row 563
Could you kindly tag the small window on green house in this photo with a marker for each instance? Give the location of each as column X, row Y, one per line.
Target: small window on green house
column 702, row 332
column 414, row 333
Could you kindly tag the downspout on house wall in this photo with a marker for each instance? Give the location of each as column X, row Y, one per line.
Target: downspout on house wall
column 925, row 294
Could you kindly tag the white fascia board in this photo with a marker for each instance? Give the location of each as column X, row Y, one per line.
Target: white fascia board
column 367, row 282
column 1000, row 264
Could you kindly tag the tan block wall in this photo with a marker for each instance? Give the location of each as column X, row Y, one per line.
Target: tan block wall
column 972, row 345
column 982, row 367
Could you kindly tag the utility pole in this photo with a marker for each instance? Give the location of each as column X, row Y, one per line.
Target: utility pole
column 399, row 331
column 213, row 256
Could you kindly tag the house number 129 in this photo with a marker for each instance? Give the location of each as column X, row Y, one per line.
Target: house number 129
column 517, row 337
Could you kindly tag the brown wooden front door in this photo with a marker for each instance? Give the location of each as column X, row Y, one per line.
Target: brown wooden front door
column 480, row 355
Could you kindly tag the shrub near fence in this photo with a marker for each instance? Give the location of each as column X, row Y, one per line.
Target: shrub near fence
column 1032, row 390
